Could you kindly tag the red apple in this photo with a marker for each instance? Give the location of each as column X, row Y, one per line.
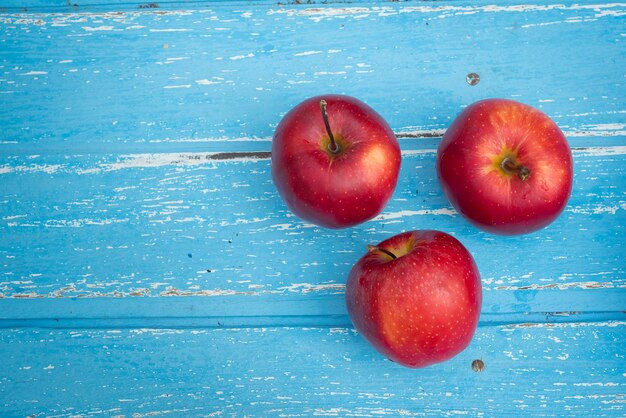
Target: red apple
column 335, row 161
column 505, row 166
column 416, row 297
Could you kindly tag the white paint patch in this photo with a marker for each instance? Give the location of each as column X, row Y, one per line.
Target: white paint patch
column 600, row 151
column 329, row 73
column 159, row 160
column 563, row 286
column 97, row 28
column 172, row 291
column 419, row 133
column 405, row 213
column 609, row 324
column 242, row 139
column 180, row 86
column 9, row 218
column 282, row 227
column 241, row 221
column 206, row 82
column 170, row 30
column 49, row 367
column 533, row 25
column 240, row 57
column 79, row 223
column 318, row 14
column 308, row 287
column 35, row 73
column 598, row 210
column 605, row 126
column 593, row 133
column 35, row 168
column 290, row 227
column 305, row 53
column 418, row 152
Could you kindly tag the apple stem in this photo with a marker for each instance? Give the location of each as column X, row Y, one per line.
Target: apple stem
column 511, row 166
column 332, row 147
column 372, row 248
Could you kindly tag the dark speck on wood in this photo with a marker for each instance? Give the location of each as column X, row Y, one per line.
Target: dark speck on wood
column 478, row 365
column 472, row 79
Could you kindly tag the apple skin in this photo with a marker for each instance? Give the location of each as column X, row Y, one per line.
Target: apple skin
column 335, row 190
column 494, row 199
column 421, row 308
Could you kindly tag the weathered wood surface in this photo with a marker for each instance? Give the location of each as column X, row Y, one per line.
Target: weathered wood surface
column 566, row 370
column 181, row 226
column 149, row 267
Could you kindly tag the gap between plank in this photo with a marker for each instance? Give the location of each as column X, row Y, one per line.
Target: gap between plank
column 516, row 320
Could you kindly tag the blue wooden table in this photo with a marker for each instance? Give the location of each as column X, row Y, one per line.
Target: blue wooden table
column 148, row 266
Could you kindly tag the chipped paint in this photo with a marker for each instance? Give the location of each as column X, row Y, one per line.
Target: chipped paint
column 564, row 286
column 97, row 28
column 35, row 73
column 306, row 53
column 188, row 159
column 598, row 209
column 612, row 324
column 198, row 158
column 386, row 216
column 73, row 291
column 156, row 217
column 310, row 288
column 318, row 14
column 600, row 151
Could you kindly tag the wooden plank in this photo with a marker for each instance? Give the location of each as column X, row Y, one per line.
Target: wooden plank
column 530, row 369
column 176, row 225
column 91, row 5
column 278, row 311
column 148, row 266
column 90, row 80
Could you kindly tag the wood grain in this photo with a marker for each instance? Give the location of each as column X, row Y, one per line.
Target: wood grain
column 573, row 370
column 188, row 225
column 148, row 266
column 225, row 72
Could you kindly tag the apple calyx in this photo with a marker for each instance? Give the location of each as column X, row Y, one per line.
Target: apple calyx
column 333, row 147
column 510, row 166
column 373, row 248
